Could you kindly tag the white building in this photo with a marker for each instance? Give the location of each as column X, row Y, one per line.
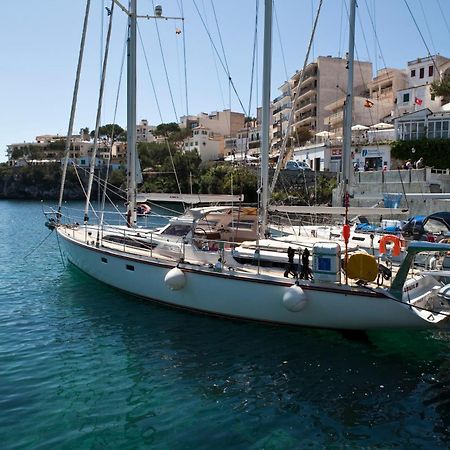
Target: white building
column 423, row 124
column 144, row 132
column 417, row 95
column 208, row 145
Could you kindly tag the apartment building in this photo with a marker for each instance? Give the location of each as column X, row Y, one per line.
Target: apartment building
column 282, row 106
column 225, row 123
column 212, row 132
column 324, row 82
column 417, row 95
column 365, row 112
column 387, row 83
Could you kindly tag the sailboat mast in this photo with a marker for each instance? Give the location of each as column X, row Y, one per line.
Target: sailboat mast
column 348, row 113
column 267, row 65
column 73, row 109
column 131, row 114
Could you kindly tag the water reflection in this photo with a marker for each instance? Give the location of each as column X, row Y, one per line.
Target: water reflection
column 261, row 384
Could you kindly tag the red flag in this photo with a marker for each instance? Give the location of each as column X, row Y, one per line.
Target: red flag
column 418, row 101
column 368, row 103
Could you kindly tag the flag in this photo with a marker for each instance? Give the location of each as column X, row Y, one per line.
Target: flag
column 368, row 103
column 418, row 101
column 177, row 31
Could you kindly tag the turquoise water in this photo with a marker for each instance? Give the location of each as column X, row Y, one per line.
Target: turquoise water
column 83, row 366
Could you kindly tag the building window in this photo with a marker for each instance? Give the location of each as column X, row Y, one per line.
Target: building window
column 445, row 128
column 422, row 72
column 430, row 71
column 406, row 98
column 413, row 73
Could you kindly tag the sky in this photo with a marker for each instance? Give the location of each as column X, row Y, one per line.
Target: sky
column 40, row 42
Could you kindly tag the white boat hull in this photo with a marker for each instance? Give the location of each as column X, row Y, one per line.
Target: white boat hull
column 238, row 295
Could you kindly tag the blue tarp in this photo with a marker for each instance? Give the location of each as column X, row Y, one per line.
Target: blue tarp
column 392, row 200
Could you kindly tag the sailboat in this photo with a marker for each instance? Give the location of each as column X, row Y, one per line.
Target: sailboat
column 178, row 278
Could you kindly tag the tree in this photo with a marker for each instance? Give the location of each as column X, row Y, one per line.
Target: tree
column 153, row 154
column 17, row 153
column 441, row 88
column 165, row 129
column 108, row 130
column 220, row 178
column 436, row 152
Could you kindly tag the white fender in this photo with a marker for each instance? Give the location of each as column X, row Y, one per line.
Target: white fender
column 175, row 279
column 294, row 299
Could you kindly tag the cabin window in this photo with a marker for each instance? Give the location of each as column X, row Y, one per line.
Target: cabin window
column 130, row 267
column 104, row 260
column 177, row 230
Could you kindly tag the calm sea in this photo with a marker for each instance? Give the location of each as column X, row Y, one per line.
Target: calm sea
column 83, row 366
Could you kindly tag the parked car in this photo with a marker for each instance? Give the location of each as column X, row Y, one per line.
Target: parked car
column 297, row 165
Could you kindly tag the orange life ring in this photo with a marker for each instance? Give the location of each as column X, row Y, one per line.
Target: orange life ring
column 393, row 240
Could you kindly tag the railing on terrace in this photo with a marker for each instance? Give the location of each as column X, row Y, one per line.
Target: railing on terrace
column 392, row 176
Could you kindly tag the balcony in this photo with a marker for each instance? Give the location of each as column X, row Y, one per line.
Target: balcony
column 306, row 104
column 280, row 97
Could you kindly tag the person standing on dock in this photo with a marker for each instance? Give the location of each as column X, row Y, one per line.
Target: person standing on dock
column 290, row 268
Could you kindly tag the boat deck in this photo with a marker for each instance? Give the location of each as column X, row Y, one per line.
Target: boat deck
column 175, row 254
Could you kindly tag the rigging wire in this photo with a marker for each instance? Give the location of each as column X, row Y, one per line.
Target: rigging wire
column 443, row 16
column 255, row 46
column 104, row 195
column 421, row 35
column 74, row 103
column 218, row 56
column 215, row 61
column 150, row 74
column 181, row 8
column 220, row 37
column 60, row 251
column 428, row 28
column 281, row 42
column 297, row 93
column 184, row 58
column 99, row 110
column 156, row 99
column 377, row 42
column 37, row 246
column 165, row 66
column 224, row 58
column 337, row 87
column 102, row 35
column 312, row 24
